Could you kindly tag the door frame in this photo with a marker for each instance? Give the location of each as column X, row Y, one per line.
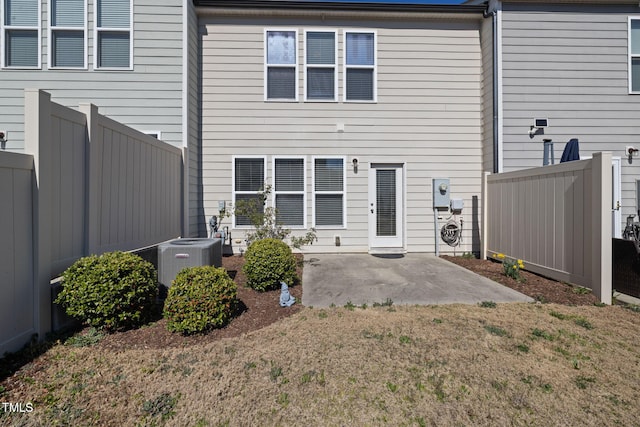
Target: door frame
column 395, row 243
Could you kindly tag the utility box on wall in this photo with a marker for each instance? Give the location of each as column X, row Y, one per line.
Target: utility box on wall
column 441, row 193
column 177, row 254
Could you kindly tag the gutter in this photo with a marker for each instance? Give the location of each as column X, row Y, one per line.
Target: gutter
column 496, row 122
column 340, row 6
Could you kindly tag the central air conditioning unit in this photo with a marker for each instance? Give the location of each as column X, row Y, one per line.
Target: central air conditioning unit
column 177, row 254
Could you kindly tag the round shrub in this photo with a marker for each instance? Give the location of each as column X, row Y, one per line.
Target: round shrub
column 267, row 263
column 200, row 298
column 116, row 290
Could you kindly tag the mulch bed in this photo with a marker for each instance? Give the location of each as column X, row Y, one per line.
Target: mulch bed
column 540, row 288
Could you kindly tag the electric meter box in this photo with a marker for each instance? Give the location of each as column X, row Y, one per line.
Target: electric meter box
column 441, row 193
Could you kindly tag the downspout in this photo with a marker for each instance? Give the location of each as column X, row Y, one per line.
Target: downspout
column 496, row 141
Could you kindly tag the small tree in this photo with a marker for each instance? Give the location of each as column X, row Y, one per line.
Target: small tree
column 265, row 220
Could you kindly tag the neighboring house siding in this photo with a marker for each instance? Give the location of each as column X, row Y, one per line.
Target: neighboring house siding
column 569, row 64
column 428, row 115
column 196, row 220
column 147, row 98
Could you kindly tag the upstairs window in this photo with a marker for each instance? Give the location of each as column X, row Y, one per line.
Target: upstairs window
column 289, row 191
column 634, row 55
column 21, row 33
column 281, row 65
column 360, row 66
column 68, row 26
column 320, row 66
column 113, row 34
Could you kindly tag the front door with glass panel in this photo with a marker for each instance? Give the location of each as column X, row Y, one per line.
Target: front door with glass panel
column 385, row 206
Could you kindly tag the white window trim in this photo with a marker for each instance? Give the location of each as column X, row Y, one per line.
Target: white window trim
column 343, row 192
column 51, row 29
column 334, row 66
column 303, row 192
column 233, row 184
column 630, row 56
column 97, row 30
column 364, row 67
column 266, row 66
column 3, row 33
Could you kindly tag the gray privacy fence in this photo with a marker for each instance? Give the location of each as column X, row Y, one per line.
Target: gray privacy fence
column 88, row 185
column 557, row 219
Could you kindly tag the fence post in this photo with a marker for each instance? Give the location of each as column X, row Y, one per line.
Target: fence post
column 37, row 127
column 485, row 211
column 92, row 183
column 601, row 246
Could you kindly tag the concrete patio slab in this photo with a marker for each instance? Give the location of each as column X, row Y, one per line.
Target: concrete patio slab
column 407, row 279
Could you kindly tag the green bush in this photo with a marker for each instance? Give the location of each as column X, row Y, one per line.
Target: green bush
column 267, row 263
column 199, row 299
column 116, row 290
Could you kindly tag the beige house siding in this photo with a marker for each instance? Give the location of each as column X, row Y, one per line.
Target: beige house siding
column 428, row 117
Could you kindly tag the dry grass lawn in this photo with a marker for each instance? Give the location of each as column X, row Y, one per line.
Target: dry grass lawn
column 514, row 364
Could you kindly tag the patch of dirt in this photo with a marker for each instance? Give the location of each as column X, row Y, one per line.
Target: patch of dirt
column 537, row 287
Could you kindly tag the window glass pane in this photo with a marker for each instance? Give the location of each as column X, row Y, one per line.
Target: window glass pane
column 290, row 208
column 635, row 74
column 289, row 175
column 329, row 175
column 329, row 210
column 113, row 49
column 320, row 83
column 360, row 49
column 114, row 13
column 360, row 84
column 67, row 13
column 635, row 36
column 68, row 48
column 281, row 47
column 245, row 220
column 249, row 174
column 21, row 13
column 22, row 48
column 281, row 83
column 385, row 202
column 321, row 48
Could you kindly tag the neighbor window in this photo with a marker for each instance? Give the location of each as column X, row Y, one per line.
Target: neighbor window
column 360, row 66
column 21, row 32
column 289, row 187
column 281, row 65
column 634, row 55
column 329, row 192
column 67, row 33
column 320, row 66
column 248, row 182
column 113, row 34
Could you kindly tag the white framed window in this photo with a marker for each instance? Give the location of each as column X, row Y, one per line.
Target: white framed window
column 154, row 133
column 634, row 54
column 320, row 74
column 21, row 32
column 249, row 174
column 329, row 192
column 68, row 34
column 113, row 45
column 360, row 66
column 289, row 186
column 280, row 65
